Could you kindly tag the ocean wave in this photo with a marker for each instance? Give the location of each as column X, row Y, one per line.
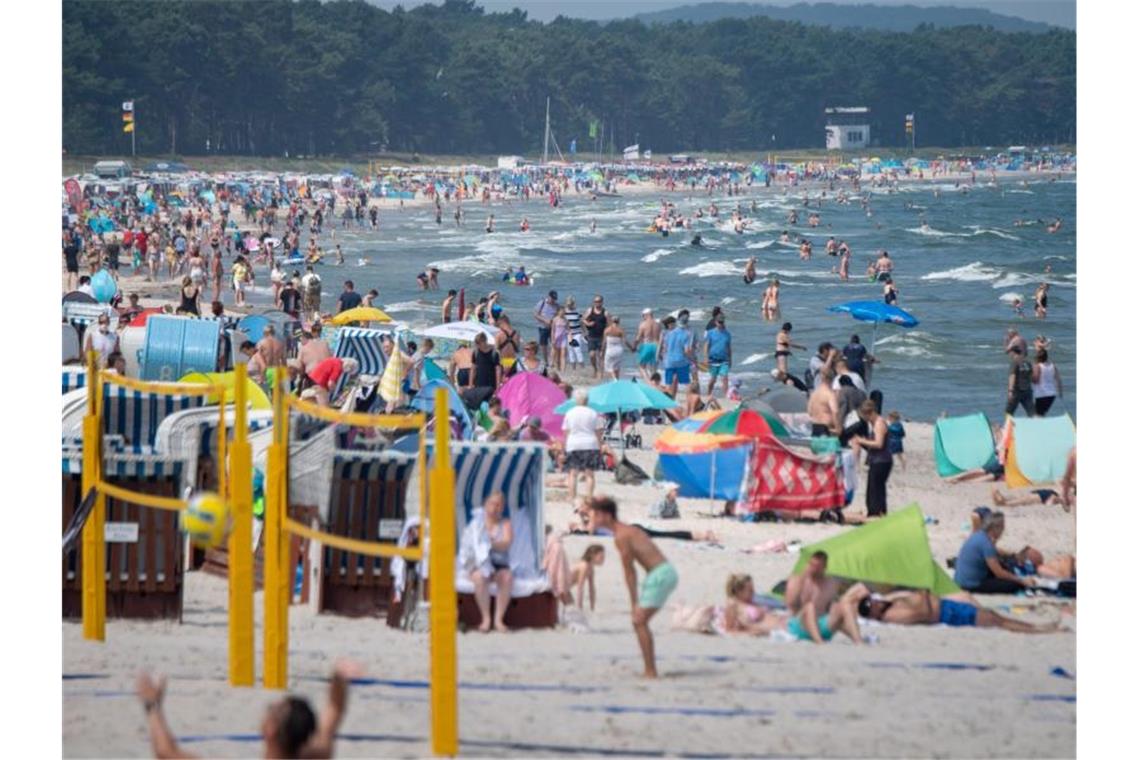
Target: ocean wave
column 1021, row 279
column 409, row 306
column 712, row 269
column 753, row 359
column 658, row 254
column 975, row 271
column 931, row 232
column 760, row 244
column 1011, row 297
column 996, row 233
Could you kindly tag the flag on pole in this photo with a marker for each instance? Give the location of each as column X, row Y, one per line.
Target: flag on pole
column 594, row 128
column 128, row 116
column 128, row 106
column 129, row 127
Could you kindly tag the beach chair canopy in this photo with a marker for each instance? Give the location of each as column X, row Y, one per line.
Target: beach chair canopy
column 1038, row 449
column 892, row 550
column 962, row 444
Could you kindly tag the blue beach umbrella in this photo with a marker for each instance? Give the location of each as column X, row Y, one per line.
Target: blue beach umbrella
column 876, row 312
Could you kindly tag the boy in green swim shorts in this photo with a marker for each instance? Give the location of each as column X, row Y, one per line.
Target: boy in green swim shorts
column 635, row 546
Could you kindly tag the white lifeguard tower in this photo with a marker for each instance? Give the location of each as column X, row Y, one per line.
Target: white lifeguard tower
column 847, row 127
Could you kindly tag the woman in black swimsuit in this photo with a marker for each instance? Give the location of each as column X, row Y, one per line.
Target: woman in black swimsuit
column 189, row 303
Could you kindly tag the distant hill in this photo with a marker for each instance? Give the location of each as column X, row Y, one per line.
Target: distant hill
column 894, row 18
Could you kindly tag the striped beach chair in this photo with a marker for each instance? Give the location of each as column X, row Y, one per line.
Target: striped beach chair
column 144, row 556
column 517, row 470
column 368, row 502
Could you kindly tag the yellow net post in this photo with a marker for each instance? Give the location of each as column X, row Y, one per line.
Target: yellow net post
column 275, row 670
column 94, row 562
column 444, row 608
column 241, row 538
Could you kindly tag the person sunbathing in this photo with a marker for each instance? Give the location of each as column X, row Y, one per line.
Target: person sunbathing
column 289, row 728
column 991, row 472
column 740, row 615
column 1033, row 498
column 924, row 608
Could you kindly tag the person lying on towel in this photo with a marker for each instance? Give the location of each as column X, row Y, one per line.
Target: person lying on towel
column 926, row 608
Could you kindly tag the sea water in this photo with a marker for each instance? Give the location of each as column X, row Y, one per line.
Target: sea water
column 958, row 275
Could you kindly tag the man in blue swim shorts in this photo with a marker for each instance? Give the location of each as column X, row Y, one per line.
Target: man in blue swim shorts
column 647, row 342
column 678, row 352
column 635, row 546
column 925, row 608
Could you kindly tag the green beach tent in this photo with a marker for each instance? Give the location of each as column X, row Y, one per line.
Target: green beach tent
column 962, row 444
column 893, row 551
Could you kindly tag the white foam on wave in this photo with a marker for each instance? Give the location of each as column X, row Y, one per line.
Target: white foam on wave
column 409, row 306
column 1011, row 297
column 727, row 300
column 712, row 269
column 997, row 233
column 760, row 244
column 1021, row 192
column 658, row 254
column 931, row 232
column 975, row 271
column 1021, row 279
column 754, row 359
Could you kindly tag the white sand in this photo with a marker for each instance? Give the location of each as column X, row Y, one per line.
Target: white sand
column 564, row 689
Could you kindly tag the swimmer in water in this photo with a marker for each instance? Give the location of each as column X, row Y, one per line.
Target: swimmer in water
column 339, row 256
column 363, row 261
column 1054, row 227
column 593, row 225
column 697, row 241
column 770, row 306
column 784, row 347
column 1017, row 306
column 490, row 227
column 785, row 237
column 750, row 271
column 525, row 226
column 1041, row 300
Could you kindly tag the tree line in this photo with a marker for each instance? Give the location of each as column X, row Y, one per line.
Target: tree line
column 277, row 77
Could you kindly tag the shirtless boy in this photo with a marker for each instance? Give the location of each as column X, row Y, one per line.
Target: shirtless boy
column 634, row 545
column 823, row 406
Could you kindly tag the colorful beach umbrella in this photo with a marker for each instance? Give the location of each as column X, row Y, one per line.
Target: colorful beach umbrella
column 746, row 422
column 876, row 312
column 361, row 314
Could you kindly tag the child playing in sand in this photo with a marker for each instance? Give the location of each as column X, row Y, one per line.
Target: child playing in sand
column 582, row 574
column 895, row 434
column 660, row 579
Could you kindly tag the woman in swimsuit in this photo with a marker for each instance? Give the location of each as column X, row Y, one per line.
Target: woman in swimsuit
column 740, row 615
column 190, row 296
column 784, row 347
column 530, row 361
column 890, row 292
column 1041, row 300
column 750, row 271
column 770, row 306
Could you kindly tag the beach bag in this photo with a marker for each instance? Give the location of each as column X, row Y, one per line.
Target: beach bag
column 629, row 474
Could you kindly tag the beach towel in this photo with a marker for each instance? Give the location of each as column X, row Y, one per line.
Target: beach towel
column 962, row 444
column 781, row 479
column 1038, row 449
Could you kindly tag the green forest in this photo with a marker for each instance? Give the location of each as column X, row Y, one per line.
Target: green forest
column 276, row 77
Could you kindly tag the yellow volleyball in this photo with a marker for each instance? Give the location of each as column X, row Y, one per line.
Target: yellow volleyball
column 206, row 520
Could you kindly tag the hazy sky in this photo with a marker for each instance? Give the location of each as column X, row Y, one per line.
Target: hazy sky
column 1060, row 12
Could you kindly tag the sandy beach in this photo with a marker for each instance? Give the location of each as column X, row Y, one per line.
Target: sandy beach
column 918, row 691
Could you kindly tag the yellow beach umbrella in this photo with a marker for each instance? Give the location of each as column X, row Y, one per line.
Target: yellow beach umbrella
column 253, row 391
column 361, row 314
